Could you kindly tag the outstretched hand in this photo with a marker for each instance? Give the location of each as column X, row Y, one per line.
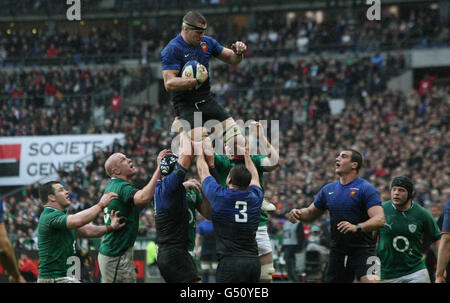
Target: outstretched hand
column 106, row 199
column 239, row 47
column 161, row 155
column 192, row 184
column 116, row 221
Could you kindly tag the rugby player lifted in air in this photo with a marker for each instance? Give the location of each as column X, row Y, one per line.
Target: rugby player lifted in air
column 193, row 94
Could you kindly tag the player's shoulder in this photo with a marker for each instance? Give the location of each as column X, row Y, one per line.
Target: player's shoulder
column 387, row 204
column 364, row 183
column 329, row 186
column 208, row 39
column 174, row 43
column 419, row 208
column 447, row 206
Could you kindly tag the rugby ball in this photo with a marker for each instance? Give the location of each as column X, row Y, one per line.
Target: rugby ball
column 190, row 69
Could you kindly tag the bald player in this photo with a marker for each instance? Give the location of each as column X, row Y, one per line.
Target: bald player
column 115, row 256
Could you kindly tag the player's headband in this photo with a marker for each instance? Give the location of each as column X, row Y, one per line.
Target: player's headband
column 193, row 27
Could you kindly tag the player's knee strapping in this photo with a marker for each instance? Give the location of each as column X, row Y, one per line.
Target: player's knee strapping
column 266, row 271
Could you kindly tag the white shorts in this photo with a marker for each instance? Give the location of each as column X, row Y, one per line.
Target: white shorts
column 263, row 241
column 58, row 280
column 420, row 276
column 118, row 269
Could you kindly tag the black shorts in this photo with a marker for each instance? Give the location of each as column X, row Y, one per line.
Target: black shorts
column 238, row 270
column 208, row 255
column 344, row 267
column 176, row 265
column 209, row 108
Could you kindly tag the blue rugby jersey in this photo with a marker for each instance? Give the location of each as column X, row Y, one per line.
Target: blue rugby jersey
column 350, row 203
column 235, row 217
column 446, row 223
column 177, row 53
column 1, row 210
column 171, row 211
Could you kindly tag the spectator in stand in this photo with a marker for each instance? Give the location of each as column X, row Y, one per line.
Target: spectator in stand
column 116, row 104
column 28, row 269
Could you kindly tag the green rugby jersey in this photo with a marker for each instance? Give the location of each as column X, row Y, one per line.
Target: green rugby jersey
column 116, row 243
column 56, row 243
column 194, row 199
column 400, row 244
column 223, row 166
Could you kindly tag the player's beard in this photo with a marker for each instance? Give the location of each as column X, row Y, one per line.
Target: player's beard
column 401, row 204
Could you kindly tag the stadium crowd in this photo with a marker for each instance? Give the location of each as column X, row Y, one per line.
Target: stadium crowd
column 397, row 134
column 272, row 34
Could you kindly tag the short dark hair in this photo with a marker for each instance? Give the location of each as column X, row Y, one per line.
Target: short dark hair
column 240, row 176
column 45, row 190
column 356, row 157
column 193, row 17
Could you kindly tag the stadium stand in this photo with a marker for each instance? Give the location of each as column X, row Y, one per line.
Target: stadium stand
column 299, row 64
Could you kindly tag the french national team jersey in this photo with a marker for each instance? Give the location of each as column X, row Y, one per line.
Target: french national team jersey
column 171, row 211
column 446, row 223
column 350, row 203
column 1, row 211
column 235, row 217
column 177, row 53
column 223, row 167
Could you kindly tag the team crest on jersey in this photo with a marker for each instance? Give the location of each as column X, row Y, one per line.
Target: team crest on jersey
column 204, row 47
column 352, row 192
column 412, row 227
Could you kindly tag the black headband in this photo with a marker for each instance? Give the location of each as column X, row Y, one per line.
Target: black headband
column 193, row 27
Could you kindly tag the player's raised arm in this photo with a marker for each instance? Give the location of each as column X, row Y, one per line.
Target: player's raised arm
column 251, row 166
column 145, row 195
column 202, row 166
column 272, row 161
column 84, row 217
column 234, row 55
column 186, row 151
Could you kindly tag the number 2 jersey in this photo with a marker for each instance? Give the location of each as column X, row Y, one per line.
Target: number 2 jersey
column 400, row 244
column 235, row 217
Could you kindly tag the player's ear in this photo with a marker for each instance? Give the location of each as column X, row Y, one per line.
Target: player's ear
column 115, row 171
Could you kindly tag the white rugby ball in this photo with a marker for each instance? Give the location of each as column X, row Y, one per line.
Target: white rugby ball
column 189, row 70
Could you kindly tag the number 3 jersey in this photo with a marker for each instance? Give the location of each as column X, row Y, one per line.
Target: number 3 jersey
column 235, row 217
column 400, row 244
